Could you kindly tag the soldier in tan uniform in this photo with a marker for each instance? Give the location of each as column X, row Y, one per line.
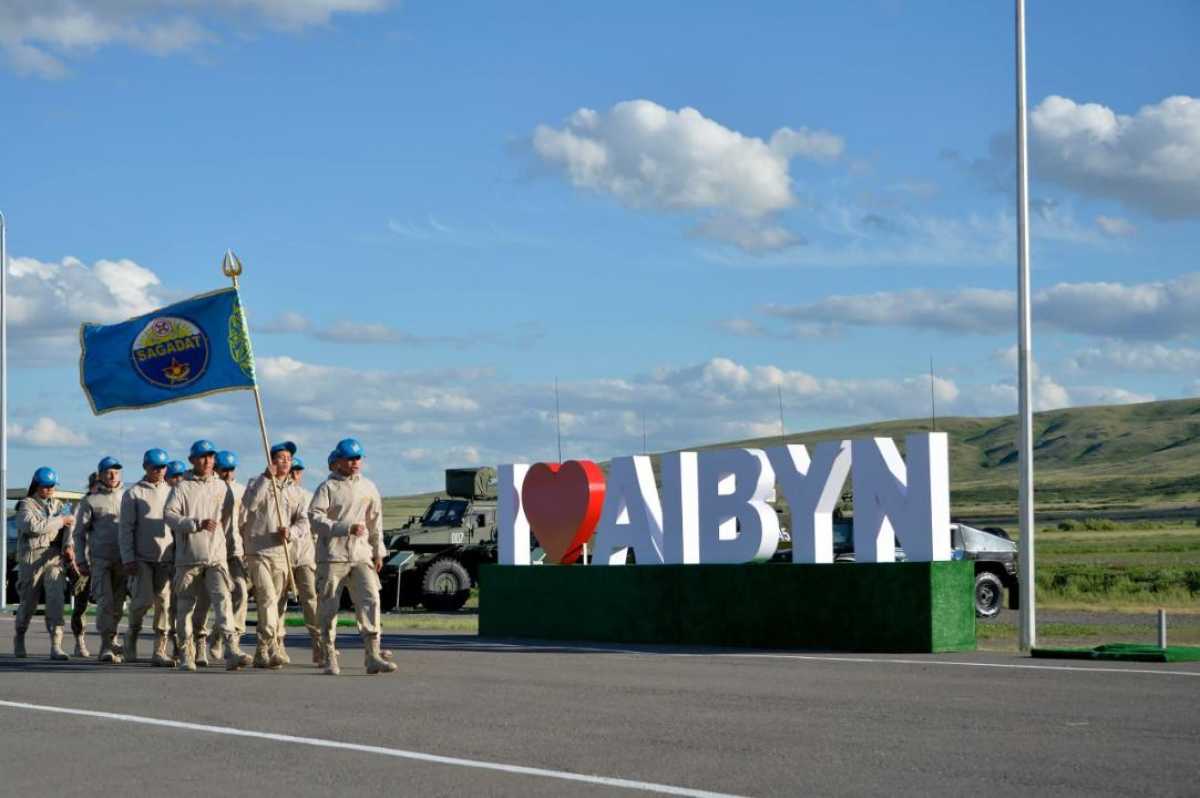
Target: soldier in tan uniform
column 275, row 511
column 200, row 512
column 347, row 516
column 78, row 588
column 226, row 466
column 148, row 553
column 43, row 536
column 304, row 569
column 176, row 471
column 98, row 554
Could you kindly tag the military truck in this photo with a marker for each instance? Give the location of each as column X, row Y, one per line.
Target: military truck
column 991, row 549
column 434, row 558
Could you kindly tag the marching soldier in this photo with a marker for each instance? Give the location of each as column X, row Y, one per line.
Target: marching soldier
column 304, row 569
column 97, row 547
column 148, row 552
column 43, row 536
column 80, row 589
column 200, row 511
column 226, row 465
column 176, row 469
column 347, row 515
column 269, row 498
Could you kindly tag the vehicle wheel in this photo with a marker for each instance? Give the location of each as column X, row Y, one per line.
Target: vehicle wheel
column 989, row 595
column 445, row 586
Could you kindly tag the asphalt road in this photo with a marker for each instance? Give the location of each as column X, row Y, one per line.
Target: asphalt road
column 746, row 724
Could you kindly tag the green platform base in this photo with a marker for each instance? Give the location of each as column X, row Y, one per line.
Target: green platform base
column 1124, row 652
column 894, row 607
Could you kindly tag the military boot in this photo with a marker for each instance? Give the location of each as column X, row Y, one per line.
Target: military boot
column 131, row 643
column 106, row 652
column 19, row 645
column 316, row 652
column 187, row 658
column 81, row 649
column 262, row 655
column 56, row 650
column 216, row 648
column 374, row 662
column 234, row 658
column 159, row 658
column 200, row 647
column 279, row 653
column 331, row 661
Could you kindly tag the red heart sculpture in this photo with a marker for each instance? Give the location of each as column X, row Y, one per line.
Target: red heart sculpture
column 562, row 502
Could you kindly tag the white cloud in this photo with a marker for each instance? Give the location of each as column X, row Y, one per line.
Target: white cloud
column 1116, row 226
column 1149, row 161
column 284, row 323
column 45, row 432
column 1150, row 358
column 1157, row 310
column 648, row 156
column 40, row 36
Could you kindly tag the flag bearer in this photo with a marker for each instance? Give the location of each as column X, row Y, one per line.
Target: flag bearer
column 269, row 497
column 148, row 553
column 200, row 512
column 98, row 553
column 347, row 516
column 226, row 466
column 304, row 568
column 43, row 536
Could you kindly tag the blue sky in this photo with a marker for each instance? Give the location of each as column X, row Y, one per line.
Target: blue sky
column 678, row 210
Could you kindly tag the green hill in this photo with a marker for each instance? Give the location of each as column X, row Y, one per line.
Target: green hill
column 1139, row 460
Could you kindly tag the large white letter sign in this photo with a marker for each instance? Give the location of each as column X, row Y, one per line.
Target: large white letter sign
column 681, row 508
column 512, row 527
column 736, row 523
column 632, row 515
column 812, row 488
column 912, row 503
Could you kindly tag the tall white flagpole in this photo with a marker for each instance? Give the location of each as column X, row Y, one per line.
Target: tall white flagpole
column 4, row 406
column 1024, row 346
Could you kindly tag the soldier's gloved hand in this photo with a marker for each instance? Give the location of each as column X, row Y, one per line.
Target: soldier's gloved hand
column 282, row 532
column 131, row 569
column 358, row 530
column 208, row 525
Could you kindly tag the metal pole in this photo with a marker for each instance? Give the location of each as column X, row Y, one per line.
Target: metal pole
column 1024, row 346
column 4, row 406
column 1162, row 628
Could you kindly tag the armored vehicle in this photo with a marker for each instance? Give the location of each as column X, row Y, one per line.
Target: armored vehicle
column 434, row 559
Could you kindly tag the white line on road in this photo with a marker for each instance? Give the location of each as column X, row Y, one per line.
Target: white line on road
column 625, row 784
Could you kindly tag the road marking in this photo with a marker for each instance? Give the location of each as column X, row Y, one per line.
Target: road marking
column 606, row 781
column 550, row 648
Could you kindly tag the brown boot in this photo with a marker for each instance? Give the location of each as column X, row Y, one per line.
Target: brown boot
column 279, row 652
column 234, row 658
column 56, row 650
column 131, row 643
column 262, row 656
column 200, row 650
column 159, row 658
column 81, row 649
column 216, row 648
column 187, row 658
column 317, row 659
column 374, row 662
column 331, row 660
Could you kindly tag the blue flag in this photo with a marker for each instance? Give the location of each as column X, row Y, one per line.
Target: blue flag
column 193, row 348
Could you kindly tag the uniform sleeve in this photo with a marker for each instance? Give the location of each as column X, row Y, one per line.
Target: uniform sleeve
column 318, row 516
column 83, row 520
column 32, row 524
column 229, row 520
column 375, row 525
column 299, row 525
column 173, row 514
column 128, row 527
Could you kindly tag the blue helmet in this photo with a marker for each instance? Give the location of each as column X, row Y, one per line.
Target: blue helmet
column 287, row 446
column 201, row 448
column 348, row 448
column 107, row 463
column 226, row 460
column 155, row 458
column 45, row 477
column 332, row 457
column 297, row 463
column 176, row 468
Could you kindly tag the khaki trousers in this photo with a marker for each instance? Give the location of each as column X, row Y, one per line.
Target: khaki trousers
column 269, row 577
column 305, row 577
column 238, row 598
column 152, row 588
column 79, row 604
column 363, row 582
column 108, row 594
column 40, row 570
column 193, row 582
